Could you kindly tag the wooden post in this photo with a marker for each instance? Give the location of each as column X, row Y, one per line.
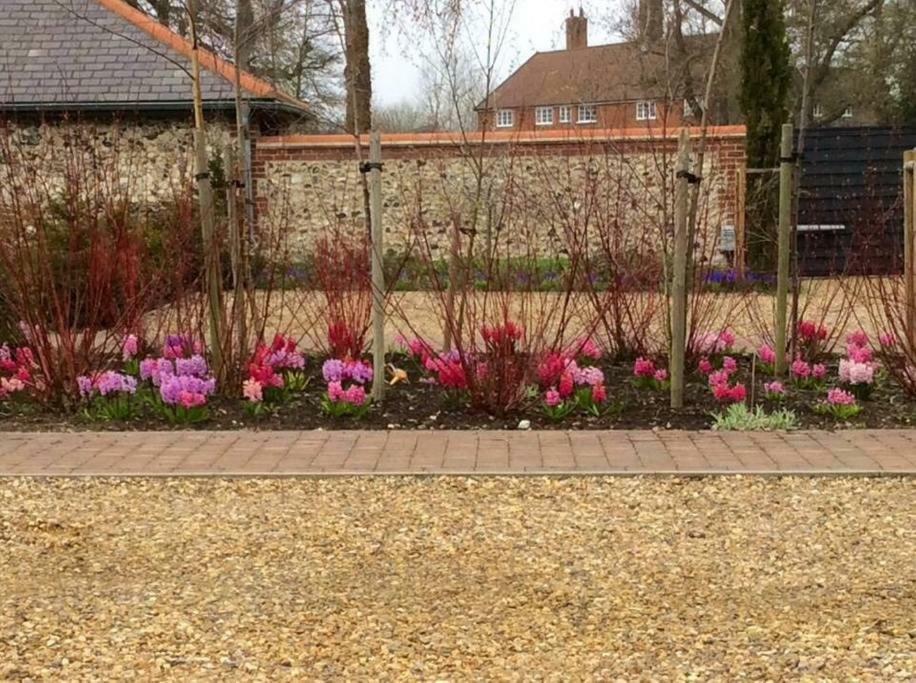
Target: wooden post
column 909, row 243
column 786, row 167
column 678, row 348
column 740, row 221
column 378, row 274
column 212, row 265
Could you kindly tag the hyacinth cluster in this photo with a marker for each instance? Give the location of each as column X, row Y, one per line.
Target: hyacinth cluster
column 347, row 380
column 807, row 374
column 722, row 383
column 187, row 391
column 774, row 391
column 181, row 346
column 448, row 370
column 857, row 370
column 182, row 374
column 767, row 356
column 445, row 369
column 811, row 339
column 16, row 367
column 714, row 343
column 840, row 404
column 108, row 383
column 156, row 370
column 130, row 347
column 568, row 382
column 270, row 368
column 647, row 375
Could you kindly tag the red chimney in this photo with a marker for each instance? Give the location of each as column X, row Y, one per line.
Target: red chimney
column 576, row 31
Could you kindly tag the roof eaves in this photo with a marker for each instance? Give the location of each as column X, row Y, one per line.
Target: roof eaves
column 208, row 60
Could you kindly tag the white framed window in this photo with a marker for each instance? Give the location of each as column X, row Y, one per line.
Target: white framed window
column 688, row 110
column 588, row 113
column 505, row 118
column 646, row 111
column 565, row 114
column 818, row 110
column 543, row 116
column 847, row 113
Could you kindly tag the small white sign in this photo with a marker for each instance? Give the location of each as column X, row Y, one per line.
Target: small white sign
column 813, row 227
column 727, row 241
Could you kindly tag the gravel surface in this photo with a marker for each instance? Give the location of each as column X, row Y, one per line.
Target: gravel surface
column 458, row 579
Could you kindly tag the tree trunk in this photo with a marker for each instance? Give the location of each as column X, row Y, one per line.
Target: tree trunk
column 207, row 223
column 357, row 73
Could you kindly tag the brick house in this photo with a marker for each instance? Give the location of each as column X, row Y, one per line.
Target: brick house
column 622, row 85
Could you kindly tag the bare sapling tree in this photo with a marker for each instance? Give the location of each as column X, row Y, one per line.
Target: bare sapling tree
column 209, row 238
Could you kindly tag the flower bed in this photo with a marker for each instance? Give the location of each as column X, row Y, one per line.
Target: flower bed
column 573, row 388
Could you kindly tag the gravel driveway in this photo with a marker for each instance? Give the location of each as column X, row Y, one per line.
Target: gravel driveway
column 458, row 579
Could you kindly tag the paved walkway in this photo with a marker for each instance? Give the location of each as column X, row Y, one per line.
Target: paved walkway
column 485, row 452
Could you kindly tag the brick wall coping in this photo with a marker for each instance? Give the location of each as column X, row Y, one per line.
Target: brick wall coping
column 495, row 137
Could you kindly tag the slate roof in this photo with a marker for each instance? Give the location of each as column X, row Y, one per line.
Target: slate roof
column 602, row 73
column 80, row 53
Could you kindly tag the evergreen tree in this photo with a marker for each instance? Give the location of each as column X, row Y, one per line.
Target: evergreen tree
column 766, row 78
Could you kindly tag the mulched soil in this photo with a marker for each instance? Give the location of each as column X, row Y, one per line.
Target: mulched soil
column 418, row 405
column 458, row 579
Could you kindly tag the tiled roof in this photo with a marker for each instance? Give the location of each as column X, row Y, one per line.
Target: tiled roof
column 104, row 52
column 602, row 73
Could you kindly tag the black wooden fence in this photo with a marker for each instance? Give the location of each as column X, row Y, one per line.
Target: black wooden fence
column 851, row 202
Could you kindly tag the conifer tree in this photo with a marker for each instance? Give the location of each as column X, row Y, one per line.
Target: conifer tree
column 766, row 78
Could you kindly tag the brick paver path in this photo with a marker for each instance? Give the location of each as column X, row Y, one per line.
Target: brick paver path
column 334, row 452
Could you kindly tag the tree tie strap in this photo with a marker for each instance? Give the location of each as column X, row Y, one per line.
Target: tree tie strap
column 692, row 178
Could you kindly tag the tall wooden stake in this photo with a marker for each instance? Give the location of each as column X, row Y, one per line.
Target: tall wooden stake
column 378, row 274
column 786, row 167
column 679, row 273
column 205, row 196
column 909, row 243
column 740, row 222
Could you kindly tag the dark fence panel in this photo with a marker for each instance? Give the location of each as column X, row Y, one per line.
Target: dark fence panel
column 851, row 203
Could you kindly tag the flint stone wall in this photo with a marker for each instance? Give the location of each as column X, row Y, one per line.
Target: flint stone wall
column 527, row 191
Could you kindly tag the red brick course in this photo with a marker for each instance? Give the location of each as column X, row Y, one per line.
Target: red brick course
column 443, row 452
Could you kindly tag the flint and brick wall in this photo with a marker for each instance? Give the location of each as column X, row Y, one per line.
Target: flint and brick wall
column 534, row 185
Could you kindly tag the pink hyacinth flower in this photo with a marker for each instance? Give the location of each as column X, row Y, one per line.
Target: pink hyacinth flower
column 887, row 340
column 839, row 397
column 130, row 347
column 590, row 350
column 335, row 391
column 552, row 398
column 857, row 338
column 774, row 388
column 800, row 369
column 859, row 354
column 643, row 367
column 252, row 390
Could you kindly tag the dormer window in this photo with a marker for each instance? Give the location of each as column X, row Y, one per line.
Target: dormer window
column 646, row 111
column 505, row 118
column 847, row 113
column 818, row 111
column 543, row 116
column 588, row 113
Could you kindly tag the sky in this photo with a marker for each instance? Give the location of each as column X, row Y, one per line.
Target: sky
column 534, row 25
